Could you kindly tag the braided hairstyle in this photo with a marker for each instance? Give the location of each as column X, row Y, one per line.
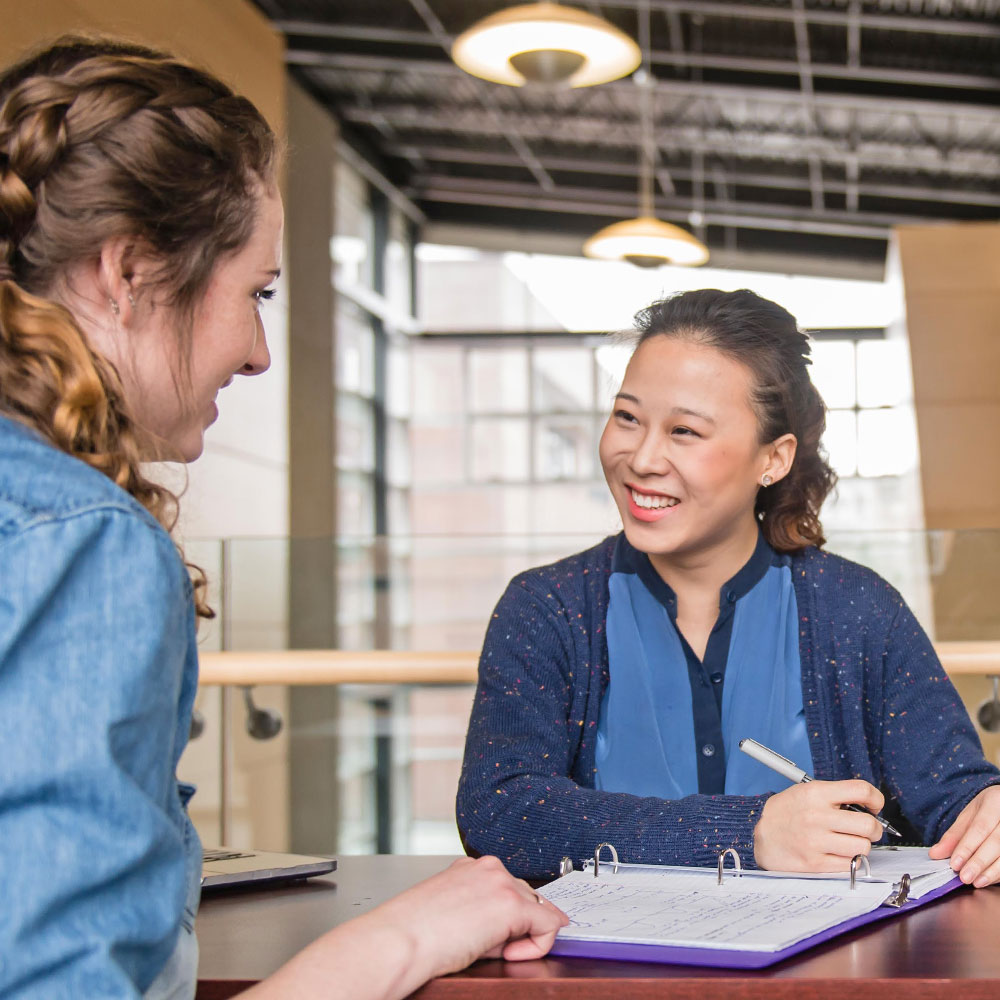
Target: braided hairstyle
column 99, row 140
column 765, row 338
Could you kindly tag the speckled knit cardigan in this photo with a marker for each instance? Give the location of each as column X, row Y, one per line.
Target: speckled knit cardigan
column 878, row 706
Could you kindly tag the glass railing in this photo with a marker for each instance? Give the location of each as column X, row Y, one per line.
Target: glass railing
column 368, row 768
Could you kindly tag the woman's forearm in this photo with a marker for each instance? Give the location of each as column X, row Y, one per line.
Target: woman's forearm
column 473, row 909
column 364, row 959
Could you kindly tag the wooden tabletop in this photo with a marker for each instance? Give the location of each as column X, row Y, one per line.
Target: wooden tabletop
column 949, row 948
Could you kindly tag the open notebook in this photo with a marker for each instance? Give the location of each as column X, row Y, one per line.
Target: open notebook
column 224, row 868
column 753, row 919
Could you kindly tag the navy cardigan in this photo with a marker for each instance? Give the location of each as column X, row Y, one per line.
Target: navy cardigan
column 878, row 706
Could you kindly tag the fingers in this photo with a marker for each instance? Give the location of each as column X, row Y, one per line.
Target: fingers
column 945, row 847
column 988, row 876
column 857, row 824
column 534, row 945
column 533, row 925
column 980, row 830
column 804, row 827
column 841, row 849
column 976, row 854
column 854, row 791
column 973, row 840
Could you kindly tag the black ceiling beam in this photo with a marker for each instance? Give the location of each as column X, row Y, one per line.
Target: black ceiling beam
column 734, row 219
column 359, row 62
column 737, row 176
column 713, row 138
column 674, row 57
column 587, row 201
column 929, row 24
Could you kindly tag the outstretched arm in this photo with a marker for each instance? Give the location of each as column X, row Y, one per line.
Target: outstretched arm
column 473, row 909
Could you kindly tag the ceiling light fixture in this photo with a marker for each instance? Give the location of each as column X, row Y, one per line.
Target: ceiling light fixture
column 645, row 240
column 545, row 43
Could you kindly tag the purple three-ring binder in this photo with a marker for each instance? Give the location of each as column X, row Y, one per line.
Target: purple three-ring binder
column 734, row 958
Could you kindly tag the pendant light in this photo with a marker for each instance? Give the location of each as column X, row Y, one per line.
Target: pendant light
column 545, row 43
column 645, row 240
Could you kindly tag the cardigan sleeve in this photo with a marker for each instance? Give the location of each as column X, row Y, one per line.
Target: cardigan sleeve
column 932, row 759
column 534, row 720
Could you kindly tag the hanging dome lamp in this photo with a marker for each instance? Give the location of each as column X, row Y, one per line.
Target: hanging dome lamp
column 645, row 240
column 545, row 43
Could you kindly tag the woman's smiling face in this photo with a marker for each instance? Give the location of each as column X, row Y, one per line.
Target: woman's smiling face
column 681, row 453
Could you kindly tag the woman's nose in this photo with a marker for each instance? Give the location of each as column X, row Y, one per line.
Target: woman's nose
column 260, row 357
column 650, row 457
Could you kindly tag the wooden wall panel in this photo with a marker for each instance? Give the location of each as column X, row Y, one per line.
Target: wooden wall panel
column 230, row 37
column 951, row 279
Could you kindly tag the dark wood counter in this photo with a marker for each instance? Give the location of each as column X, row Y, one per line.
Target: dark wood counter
column 949, row 948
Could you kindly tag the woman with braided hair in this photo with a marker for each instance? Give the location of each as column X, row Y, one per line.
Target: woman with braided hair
column 616, row 685
column 140, row 227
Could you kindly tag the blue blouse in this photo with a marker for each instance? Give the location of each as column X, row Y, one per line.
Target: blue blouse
column 670, row 723
column 99, row 863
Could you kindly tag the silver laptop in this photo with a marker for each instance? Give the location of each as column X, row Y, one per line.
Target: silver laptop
column 224, row 868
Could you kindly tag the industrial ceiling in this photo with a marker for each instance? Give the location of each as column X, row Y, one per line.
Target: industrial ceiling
column 790, row 130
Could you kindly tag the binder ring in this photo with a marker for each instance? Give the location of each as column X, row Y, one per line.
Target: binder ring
column 597, row 857
column 854, row 866
column 899, row 897
column 737, row 870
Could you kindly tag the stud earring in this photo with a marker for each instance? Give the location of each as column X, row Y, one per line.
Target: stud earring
column 766, row 480
column 113, row 306
column 131, row 300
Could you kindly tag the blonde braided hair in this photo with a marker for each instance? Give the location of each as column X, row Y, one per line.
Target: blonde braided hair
column 98, row 140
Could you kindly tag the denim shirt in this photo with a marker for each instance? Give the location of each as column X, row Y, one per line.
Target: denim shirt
column 99, row 864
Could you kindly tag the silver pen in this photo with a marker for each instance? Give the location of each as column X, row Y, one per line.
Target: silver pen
column 796, row 775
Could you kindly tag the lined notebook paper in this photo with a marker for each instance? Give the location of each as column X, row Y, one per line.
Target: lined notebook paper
column 761, row 912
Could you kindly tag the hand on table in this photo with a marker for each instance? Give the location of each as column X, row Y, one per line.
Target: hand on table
column 474, row 909
column 803, row 828
column 973, row 840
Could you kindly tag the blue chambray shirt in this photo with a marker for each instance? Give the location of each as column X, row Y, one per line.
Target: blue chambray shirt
column 99, row 863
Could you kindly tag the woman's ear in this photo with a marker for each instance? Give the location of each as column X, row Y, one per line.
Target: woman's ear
column 124, row 269
column 779, row 454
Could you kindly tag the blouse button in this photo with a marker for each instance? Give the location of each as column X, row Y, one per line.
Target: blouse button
column 731, row 596
column 716, row 677
column 708, row 750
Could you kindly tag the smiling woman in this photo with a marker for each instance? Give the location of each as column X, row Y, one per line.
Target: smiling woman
column 615, row 685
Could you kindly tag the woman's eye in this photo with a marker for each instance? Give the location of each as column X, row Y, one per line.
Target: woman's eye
column 685, row 431
column 625, row 415
column 263, row 294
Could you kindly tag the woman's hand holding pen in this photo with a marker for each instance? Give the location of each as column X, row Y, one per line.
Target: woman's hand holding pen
column 804, row 829
column 973, row 840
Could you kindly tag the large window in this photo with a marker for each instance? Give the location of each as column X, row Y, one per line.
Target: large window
column 372, row 252
column 866, row 384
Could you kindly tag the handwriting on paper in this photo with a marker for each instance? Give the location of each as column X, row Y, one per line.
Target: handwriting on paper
column 691, row 910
